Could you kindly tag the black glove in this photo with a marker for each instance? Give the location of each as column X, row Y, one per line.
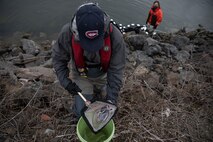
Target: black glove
column 73, row 89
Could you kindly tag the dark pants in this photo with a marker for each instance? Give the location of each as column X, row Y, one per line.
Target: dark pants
column 80, row 104
column 92, row 88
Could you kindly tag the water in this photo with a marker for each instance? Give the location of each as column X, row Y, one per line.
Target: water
column 89, row 136
column 50, row 15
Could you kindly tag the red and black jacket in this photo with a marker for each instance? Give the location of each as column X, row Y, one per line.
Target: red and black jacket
column 155, row 17
column 105, row 54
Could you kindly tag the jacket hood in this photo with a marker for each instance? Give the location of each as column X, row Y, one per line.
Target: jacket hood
column 156, row 2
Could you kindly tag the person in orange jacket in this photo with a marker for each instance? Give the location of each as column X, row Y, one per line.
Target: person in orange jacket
column 155, row 15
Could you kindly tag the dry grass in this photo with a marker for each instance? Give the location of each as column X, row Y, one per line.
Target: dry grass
column 166, row 112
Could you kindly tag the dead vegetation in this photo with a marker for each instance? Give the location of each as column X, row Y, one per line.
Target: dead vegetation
column 161, row 104
column 176, row 113
column 172, row 113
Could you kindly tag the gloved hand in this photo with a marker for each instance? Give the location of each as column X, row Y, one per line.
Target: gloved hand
column 73, row 89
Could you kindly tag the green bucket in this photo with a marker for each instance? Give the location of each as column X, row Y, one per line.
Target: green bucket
column 85, row 134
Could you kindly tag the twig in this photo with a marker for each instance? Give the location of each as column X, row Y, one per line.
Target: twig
column 156, row 137
column 142, row 92
column 35, row 136
column 24, row 107
column 17, row 127
column 2, row 100
column 147, row 85
column 60, row 136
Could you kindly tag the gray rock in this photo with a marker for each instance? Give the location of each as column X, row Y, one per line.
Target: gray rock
column 159, row 60
column 16, row 50
column 141, row 71
column 27, row 60
column 48, row 64
column 45, row 53
column 46, row 45
column 189, row 48
column 199, row 41
column 42, row 35
column 169, row 49
column 17, row 35
column 136, row 41
column 26, row 35
column 153, row 50
column 179, row 41
column 32, row 73
column 127, row 50
column 151, row 47
column 7, row 68
column 30, row 47
column 182, row 56
column 141, row 58
column 150, row 42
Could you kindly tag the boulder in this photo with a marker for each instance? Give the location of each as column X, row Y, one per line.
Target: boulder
column 28, row 60
column 3, row 51
column 16, row 50
column 8, row 69
column 189, row 48
column 169, row 49
column 153, row 50
column 141, row 58
column 159, row 60
column 46, row 45
column 42, row 35
column 36, row 73
column 179, row 41
column 8, row 66
column 136, row 41
column 45, row 54
column 141, row 71
column 151, row 47
column 150, row 42
column 30, row 47
column 158, row 68
column 198, row 41
column 182, row 56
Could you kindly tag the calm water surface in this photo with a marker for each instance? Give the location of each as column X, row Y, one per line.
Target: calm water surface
column 50, row 15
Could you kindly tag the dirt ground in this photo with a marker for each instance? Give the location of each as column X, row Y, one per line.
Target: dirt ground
column 171, row 111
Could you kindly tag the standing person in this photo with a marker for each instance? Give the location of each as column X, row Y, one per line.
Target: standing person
column 155, row 16
column 95, row 50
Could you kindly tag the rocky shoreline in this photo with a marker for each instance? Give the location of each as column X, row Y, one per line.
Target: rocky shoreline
column 167, row 92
